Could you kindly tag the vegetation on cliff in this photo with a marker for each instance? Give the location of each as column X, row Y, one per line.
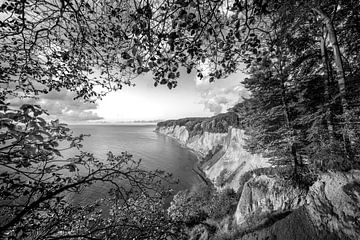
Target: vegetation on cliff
column 196, row 126
column 304, row 104
column 202, row 208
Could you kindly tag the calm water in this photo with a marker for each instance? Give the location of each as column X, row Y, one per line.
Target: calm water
column 155, row 150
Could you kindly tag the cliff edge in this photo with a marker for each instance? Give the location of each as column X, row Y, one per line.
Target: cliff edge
column 219, row 143
column 269, row 207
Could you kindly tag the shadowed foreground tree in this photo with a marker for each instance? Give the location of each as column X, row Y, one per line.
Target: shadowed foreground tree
column 77, row 45
column 84, row 47
column 37, row 183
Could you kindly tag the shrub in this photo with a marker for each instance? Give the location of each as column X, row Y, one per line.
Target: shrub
column 221, row 179
column 221, row 204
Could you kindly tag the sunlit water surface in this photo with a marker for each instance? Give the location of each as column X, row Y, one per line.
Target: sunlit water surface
column 155, row 150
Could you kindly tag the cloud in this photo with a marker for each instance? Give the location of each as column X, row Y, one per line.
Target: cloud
column 218, row 99
column 76, row 116
column 61, row 105
column 213, row 106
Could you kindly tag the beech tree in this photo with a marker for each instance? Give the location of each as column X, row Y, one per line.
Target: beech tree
column 306, row 55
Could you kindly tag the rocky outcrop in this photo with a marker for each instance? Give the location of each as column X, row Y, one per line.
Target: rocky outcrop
column 263, row 196
column 333, row 203
column 295, row 225
column 330, row 209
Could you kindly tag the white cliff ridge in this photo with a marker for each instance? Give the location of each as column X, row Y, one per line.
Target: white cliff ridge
column 270, row 207
column 233, row 159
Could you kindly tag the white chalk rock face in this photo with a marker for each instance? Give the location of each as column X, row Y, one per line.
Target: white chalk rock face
column 180, row 133
column 206, row 142
column 334, row 204
column 264, row 195
column 201, row 144
column 236, row 161
column 166, row 130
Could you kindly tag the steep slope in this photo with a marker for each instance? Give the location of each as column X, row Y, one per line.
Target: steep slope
column 269, row 207
column 219, row 142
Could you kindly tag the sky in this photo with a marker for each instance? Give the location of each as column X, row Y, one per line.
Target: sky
column 191, row 98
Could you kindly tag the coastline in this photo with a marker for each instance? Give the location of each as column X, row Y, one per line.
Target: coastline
column 201, row 175
column 196, row 167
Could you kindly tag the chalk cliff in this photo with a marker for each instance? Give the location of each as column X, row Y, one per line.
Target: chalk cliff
column 220, row 147
column 269, row 207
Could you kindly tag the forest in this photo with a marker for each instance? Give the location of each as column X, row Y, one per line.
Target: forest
column 302, row 59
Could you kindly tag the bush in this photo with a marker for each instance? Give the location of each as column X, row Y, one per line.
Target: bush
column 221, row 179
column 226, row 235
column 221, row 204
column 189, row 206
column 201, row 203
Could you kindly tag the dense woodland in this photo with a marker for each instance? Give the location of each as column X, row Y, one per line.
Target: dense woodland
column 303, row 62
column 304, row 109
column 218, row 124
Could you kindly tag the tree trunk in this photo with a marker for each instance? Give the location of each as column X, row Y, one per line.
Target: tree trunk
column 340, row 79
column 292, row 145
column 328, row 99
column 337, row 55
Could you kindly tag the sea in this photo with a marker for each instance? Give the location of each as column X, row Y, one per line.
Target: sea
column 155, row 150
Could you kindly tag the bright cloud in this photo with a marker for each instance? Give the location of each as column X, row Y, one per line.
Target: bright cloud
column 223, row 94
column 219, row 100
column 191, row 98
column 61, row 105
